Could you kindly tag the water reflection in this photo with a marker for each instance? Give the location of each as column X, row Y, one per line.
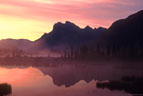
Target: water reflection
column 131, row 85
column 69, row 75
column 64, row 80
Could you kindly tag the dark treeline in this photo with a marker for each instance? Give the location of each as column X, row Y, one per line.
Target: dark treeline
column 86, row 51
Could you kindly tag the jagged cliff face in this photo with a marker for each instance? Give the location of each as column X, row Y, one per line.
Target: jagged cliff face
column 66, row 35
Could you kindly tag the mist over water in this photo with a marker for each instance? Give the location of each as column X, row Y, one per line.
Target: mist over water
column 74, row 61
column 67, row 79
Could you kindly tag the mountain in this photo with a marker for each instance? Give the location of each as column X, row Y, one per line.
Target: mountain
column 67, row 35
column 127, row 30
column 15, row 47
column 122, row 38
column 125, row 35
column 23, row 44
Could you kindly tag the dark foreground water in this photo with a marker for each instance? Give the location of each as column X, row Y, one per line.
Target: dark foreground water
column 67, row 79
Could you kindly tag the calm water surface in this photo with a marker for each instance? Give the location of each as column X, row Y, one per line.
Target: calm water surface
column 65, row 79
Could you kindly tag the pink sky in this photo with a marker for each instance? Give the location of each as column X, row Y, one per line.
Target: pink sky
column 42, row 14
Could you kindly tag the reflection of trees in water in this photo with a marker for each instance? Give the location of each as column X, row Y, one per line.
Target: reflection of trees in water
column 5, row 89
column 30, row 61
column 69, row 72
column 69, row 75
column 131, row 85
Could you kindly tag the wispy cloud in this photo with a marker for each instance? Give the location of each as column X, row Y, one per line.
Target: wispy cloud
column 89, row 11
column 82, row 12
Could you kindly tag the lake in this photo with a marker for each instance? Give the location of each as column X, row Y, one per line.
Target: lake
column 67, row 79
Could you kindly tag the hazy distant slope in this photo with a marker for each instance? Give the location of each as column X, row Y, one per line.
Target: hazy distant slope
column 15, row 44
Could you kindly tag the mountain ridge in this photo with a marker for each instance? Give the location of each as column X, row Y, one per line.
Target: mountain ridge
column 124, row 34
column 68, row 34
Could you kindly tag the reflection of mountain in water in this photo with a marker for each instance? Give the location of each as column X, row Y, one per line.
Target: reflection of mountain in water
column 69, row 75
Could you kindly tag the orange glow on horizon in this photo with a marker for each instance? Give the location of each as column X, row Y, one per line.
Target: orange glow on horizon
column 20, row 28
